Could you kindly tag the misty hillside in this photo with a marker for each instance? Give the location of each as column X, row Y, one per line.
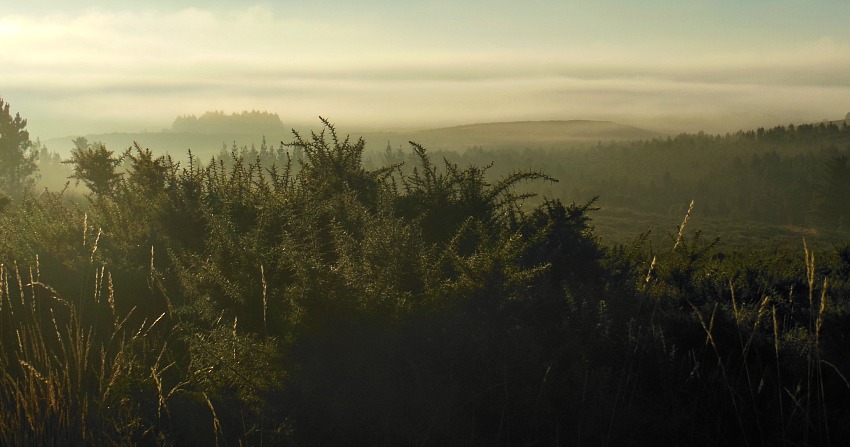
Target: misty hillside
column 206, row 134
column 519, row 134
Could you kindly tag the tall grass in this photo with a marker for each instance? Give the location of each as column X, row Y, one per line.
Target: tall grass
column 65, row 378
column 76, row 367
column 745, row 365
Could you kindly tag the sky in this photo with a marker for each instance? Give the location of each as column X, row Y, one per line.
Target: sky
column 78, row 67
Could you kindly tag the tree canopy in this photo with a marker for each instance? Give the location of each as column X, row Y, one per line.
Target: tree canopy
column 17, row 159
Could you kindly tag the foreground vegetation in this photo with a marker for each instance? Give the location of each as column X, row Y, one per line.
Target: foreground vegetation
column 315, row 301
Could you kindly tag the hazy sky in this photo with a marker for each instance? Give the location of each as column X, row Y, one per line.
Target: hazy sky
column 76, row 67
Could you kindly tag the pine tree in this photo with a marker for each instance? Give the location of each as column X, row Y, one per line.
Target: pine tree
column 17, row 158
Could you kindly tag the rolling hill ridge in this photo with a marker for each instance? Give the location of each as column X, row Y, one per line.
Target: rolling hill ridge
column 204, row 141
column 519, row 134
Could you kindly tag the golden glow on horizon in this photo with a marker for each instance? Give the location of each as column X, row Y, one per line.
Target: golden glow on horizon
column 142, row 68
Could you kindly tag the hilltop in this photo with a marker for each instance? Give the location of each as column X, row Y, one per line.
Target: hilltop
column 253, row 122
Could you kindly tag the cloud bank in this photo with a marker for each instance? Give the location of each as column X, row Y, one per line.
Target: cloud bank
column 98, row 70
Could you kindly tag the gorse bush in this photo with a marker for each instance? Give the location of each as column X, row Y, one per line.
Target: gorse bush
column 316, row 301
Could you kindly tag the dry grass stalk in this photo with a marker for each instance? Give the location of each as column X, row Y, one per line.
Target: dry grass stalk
column 156, row 374
column 819, row 322
column 98, row 283
column 216, row 422
column 96, row 241
column 734, row 304
column 235, row 319
column 110, row 299
column 265, row 299
column 810, row 271
column 651, row 268
column 20, row 283
column 775, row 334
column 709, row 339
column 819, row 370
column 682, row 226
column 3, row 286
column 762, row 307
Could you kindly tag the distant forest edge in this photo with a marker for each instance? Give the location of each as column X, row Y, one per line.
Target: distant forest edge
column 253, row 122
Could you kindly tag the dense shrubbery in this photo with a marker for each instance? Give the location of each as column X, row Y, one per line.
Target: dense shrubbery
column 315, row 301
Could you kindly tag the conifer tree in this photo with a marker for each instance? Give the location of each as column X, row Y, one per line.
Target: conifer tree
column 17, row 159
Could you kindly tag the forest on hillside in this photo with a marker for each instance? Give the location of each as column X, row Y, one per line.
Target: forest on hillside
column 302, row 294
column 759, row 187
column 783, row 175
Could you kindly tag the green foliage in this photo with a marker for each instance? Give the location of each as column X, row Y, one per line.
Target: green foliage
column 95, row 166
column 17, row 158
column 315, row 301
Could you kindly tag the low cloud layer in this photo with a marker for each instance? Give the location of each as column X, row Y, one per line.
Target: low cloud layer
column 97, row 70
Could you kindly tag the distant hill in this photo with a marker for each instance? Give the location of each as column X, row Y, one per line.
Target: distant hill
column 206, row 134
column 517, row 134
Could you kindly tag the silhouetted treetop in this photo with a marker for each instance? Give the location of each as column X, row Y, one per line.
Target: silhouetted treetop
column 17, row 157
